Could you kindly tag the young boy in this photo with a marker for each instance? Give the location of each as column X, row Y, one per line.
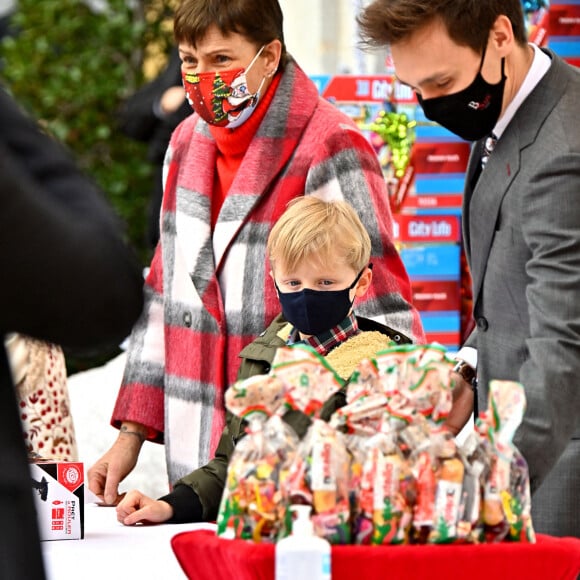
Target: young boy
column 319, row 255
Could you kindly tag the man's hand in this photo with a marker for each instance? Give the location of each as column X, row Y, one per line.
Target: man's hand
column 139, row 508
column 107, row 473
column 462, row 409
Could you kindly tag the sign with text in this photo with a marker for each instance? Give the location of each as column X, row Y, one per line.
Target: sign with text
column 366, row 88
column 441, row 228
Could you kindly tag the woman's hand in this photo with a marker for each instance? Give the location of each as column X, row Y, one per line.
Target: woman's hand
column 107, row 473
column 138, row 508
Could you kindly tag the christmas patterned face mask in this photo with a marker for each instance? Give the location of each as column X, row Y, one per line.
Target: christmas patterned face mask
column 222, row 98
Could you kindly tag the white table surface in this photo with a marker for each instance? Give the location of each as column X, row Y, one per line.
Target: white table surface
column 111, row 551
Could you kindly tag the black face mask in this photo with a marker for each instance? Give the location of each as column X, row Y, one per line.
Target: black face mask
column 314, row 311
column 471, row 113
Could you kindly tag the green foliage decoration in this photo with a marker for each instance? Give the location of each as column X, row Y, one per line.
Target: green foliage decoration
column 71, row 63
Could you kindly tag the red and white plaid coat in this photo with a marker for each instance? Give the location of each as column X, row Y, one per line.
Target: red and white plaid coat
column 208, row 296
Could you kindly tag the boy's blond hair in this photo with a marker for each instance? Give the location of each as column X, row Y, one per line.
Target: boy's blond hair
column 311, row 227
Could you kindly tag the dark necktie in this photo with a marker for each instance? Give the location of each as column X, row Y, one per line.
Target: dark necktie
column 488, row 146
column 486, row 149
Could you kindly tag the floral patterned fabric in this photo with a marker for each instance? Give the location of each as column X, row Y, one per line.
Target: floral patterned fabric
column 39, row 373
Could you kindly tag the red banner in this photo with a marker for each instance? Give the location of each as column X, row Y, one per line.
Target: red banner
column 423, row 202
column 436, row 295
column 370, row 88
column 564, row 20
column 440, row 157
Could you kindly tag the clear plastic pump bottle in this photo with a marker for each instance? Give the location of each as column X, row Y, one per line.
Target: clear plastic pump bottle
column 302, row 555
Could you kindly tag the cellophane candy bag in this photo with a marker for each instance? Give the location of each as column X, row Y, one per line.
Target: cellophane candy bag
column 376, row 463
column 470, row 526
column 406, row 400
column 387, row 492
column 506, row 493
column 319, row 474
column 419, row 385
column 307, row 379
column 319, row 477
column 360, row 419
column 365, row 403
column 400, row 368
column 449, row 471
column 252, row 506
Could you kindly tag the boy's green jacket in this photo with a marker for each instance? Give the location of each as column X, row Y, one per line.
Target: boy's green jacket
column 208, row 482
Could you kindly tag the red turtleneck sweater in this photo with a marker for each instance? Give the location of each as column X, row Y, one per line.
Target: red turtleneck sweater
column 232, row 145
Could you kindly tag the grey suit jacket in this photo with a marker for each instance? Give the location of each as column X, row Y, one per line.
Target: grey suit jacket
column 521, row 230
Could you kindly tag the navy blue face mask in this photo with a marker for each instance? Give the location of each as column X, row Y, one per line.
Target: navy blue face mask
column 314, row 311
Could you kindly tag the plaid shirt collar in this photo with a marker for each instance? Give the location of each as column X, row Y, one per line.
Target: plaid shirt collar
column 325, row 342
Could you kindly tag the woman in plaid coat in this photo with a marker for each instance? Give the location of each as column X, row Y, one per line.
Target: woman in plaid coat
column 230, row 170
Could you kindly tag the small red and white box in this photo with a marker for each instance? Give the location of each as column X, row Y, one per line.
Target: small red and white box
column 59, row 497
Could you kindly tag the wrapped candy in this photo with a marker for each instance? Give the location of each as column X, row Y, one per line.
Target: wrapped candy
column 470, row 526
column 362, row 417
column 418, row 375
column 365, row 402
column 257, row 395
column 421, row 402
column 384, row 470
column 395, row 405
column 417, row 382
column 387, row 493
column 319, row 474
column 424, row 509
column 412, row 480
column 307, row 379
column 407, row 379
column 252, row 505
column 506, row 494
column 449, row 476
column 364, row 381
column 379, row 472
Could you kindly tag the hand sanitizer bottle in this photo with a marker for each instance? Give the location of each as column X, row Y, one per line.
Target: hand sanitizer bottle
column 302, row 555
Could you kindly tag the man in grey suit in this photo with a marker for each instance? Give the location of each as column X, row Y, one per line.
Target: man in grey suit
column 474, row 72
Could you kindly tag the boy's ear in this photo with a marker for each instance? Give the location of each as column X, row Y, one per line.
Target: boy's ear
column 273, row 280
column 364, row 283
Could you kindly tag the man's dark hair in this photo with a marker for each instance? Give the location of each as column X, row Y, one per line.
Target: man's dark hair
column 468, row 22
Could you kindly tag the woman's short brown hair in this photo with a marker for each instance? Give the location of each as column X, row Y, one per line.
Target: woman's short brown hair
column 260, row 21
column 468, row 22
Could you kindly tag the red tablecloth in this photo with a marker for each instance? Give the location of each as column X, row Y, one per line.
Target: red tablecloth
column 204, row 556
